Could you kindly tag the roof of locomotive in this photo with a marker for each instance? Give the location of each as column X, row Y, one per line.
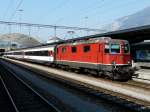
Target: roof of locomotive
column 93, row 40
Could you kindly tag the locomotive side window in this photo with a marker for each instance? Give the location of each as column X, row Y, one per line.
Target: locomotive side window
column 63, row 49
column 74, row 49
column 86, row 48
column 126, row 48
column 107, row 48
column 115, row 48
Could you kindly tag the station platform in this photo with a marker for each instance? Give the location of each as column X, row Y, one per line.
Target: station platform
column 143, row 73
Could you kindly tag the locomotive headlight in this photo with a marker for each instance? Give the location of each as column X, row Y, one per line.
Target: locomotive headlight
column 114, row 63
column 129, row 62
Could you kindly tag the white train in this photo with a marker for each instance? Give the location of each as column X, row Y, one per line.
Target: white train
column 42, row 54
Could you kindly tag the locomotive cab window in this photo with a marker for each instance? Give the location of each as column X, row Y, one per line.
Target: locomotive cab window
column 126, row 48
column 107, row 48
column 74, row 49
column 115, row 48
column 63, row 49
column 86, row 48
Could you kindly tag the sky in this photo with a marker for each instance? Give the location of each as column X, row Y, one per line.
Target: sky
column 78, row 13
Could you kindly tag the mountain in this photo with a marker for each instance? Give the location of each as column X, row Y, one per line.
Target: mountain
column 21, row 39
column 140, row 18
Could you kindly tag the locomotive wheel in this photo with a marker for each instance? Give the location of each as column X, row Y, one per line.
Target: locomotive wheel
column 67, row 68
column 109, row 75
column 101, row 74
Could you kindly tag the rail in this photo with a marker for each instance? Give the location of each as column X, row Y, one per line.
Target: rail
column 24, row 97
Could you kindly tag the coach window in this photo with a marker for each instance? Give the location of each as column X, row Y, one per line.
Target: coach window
column 45, row 53
column 63, row 49
column 74, row 49
column 30, row 53
column 33, row 53
column 26, row 53
column 107, row 48
column 41, row 53
column 86, row 48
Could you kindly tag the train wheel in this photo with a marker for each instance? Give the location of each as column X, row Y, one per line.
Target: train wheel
column 109, row 75
column 101, row 74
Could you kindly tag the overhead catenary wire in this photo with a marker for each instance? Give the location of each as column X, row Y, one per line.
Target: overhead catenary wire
column 119, row 6
column 18, row 6
column 62, row 4
column 13, row 14
column 81, row 12
column 7, row 9
column 90, row 8
column 49, row 26
column 109, row 9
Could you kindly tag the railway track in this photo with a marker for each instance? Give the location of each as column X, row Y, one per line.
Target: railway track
column 101, row 93
column 68, row 86
column 24, row 98
column 138, row 84
column 130, row 83
column 6, row 105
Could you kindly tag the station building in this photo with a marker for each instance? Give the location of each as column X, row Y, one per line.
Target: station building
column 53, row 40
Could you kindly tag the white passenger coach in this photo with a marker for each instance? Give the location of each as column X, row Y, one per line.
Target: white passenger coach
column 42, row 54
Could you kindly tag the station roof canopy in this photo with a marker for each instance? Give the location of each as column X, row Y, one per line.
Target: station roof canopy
column 133, row 35
column 142, row 45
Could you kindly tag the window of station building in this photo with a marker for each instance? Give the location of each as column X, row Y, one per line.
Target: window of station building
column 74, row 49
column 86, row 48
column 63, row 49
column 107, row 48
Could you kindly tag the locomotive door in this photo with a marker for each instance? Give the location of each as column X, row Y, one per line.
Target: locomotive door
column 100, row 54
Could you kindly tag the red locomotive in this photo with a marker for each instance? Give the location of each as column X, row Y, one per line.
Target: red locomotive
column 104, row 56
